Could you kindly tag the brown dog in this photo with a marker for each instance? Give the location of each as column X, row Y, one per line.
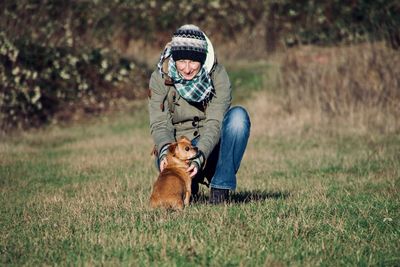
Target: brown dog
column 172, row 189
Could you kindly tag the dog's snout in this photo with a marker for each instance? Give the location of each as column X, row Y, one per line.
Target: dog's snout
column 195, row 149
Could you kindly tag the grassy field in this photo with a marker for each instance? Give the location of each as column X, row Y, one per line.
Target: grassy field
column 308, row 194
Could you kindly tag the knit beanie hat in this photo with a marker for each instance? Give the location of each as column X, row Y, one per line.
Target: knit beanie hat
column 189, row 42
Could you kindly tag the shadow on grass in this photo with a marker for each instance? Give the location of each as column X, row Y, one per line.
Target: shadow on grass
column 257, row 195
column 246, row 196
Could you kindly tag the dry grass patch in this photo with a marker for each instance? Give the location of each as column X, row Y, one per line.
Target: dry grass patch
column 108, row 152
column 360, row 83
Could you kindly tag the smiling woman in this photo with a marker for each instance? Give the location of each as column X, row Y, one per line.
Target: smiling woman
column 187, row 83
column 188, row 68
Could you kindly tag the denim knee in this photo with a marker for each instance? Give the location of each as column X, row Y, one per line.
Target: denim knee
column 238, row 119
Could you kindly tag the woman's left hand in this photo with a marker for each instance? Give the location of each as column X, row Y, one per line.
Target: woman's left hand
column 192, row 170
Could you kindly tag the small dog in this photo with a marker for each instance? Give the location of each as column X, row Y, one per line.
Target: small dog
column 172, row 189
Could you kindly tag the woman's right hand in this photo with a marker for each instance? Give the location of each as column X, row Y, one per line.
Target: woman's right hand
column 163, row 164
column 163, row 157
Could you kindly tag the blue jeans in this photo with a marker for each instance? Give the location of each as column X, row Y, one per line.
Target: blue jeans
column 224, row 161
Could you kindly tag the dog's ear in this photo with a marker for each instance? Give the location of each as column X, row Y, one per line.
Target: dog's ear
column 172, row 147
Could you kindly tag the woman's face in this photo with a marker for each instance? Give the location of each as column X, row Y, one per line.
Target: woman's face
column 188, row 68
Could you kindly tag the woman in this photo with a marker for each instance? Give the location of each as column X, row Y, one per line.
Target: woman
column 190, row 95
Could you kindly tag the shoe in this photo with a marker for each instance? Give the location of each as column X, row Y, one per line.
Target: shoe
column 218, row 196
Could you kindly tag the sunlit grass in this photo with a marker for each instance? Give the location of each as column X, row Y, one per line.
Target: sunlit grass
column 308, row 194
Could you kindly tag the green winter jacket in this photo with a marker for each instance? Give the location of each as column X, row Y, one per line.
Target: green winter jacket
column 171, row 116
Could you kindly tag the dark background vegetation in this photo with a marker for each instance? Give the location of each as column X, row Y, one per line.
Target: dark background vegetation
column 64, row 60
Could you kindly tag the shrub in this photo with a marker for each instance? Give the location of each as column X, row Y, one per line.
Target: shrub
column 79, row 23
column 40, row 84
column 52, row 60
column 339, row 21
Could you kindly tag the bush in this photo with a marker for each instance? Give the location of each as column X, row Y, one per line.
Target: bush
column 333, row 22
column 53, row 61
column 40, row 84
column 98, row 23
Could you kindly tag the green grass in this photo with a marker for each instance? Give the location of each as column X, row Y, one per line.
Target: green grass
column 306, row 196
column 246, row 79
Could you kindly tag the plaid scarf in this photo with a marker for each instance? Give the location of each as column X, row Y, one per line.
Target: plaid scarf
column 197, row 89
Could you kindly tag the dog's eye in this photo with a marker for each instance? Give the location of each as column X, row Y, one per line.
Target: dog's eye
column 187, row 148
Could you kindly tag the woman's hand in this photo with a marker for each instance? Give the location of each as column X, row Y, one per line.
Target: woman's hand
column 196, row 164
column 192, row 170
column 163, row 157
column 163, row 164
